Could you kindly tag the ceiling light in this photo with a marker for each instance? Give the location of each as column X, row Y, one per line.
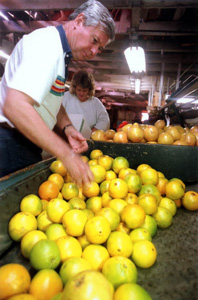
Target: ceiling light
column 4, row 55
column 135, row 58
column 4, row 16
column 186, row 100
column 137, row 86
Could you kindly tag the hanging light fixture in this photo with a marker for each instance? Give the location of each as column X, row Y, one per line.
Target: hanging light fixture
column 135, row 58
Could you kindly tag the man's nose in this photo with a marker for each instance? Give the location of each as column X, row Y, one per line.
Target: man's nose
column 94, row 50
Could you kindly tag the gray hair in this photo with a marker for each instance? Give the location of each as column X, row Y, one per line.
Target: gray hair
column 96, row 14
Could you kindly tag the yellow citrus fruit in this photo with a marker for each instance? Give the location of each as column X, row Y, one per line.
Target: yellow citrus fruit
column 139, row 234
column 80, row 195
column 120, row 137
column 111, row 215
column 94, row 204
column 60, row 196
column 95, row 154
column 56, row 208
column 14, row 279
column 135, row 134
column 119, row 270
column 86, row 285
column 46, row 284
column 104, row 186
column 83, row 241
column 58, row 167
column 20, row 224
column 174, row 132
column 48, row 190
column 169, row 204
column 32, row 204
column 165, row 138
column 72, row 266
column 150, row 189
column 160, row 124
column 97, row 230
column 45, row 254
column 110, row 174
column 92, row 162
column 179, row 180
column 90, row 189
column 148, row 202
column 144, row 254
column 96, row 255
column 129, row 291
column 22, row 297
column 58, row 179
column 189, row 138
column 142, row 167
column 110, row 134
column 43, row 221
column 105, row 161
column 161, row 185
column 117, row 204
column 77, row 203
column 55, row 231
column 150, row 224
column 69, row 247
column 69, row 190
column 99, row 173
column 118, row 163
column 118, row 188
column 88, row 212
column 105, row 199
column 160, row 174
column 85, row 158
column 131, row 198
column 149, row 176
column 190, row 200
column 74, row 221
column 133, row 215
column 119, row 244
column 44, row 204
column 122, row 227
column 134, row 183
column 151, row 133
column 30, row 239
column 125, row 171
column 163, row 217
column 174, row 190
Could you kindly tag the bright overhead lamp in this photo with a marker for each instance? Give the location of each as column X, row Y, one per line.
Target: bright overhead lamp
column 137, row 85
column 135, row 58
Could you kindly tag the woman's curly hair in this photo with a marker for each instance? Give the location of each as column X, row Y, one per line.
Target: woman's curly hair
column 83, row 79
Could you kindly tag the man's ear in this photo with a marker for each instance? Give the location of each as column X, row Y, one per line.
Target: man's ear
column 80, row 19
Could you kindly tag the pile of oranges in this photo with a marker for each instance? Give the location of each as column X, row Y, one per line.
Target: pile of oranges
column 92, row 237
column 158, row 133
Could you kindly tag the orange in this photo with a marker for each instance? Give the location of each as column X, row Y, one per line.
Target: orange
column 72, row 266
column 104, row 186
column 142, row 167
column 160, row 124
column 126, row 127
column 88, row 212
column 119, row 270
column 29, row 240
column 110, row 174
column 80, row 195
column 118, row 163
column 77, row 202
column 55, row 231
column 69, row 190
column 56, row 208
column 58, row 167
column 94, row 204
column 69, row 247
column 139, row 234
column 48, row 190
column 120, row 137
column 161, row 185
column 174, row 132
column 31, row 203
column 90, row 189
column 110, row 134
column 135, row 134
column 129, row 291
column 105, row 161
column 148, row 202
column 46, row 284
column 74, row 221
column 22, row 297
column 117, row 204
column 99, row 173
column 189, row 138
column 95, row 154
column 174, row 190
column 165, row 138
column 169, row 204
column 190, row 200
column 86, row 285
column 163, row 217
column 133, row 215
column 150, row 224
column 150, row 189
column 134, row 183
column 44, row 204
column 144, row 254
column 45, row 255
column 111, row 215
column 118, row 188
column 14, row 279
column 125, row 171
column 58, row 179
column 131, row 198
column 20, row 224
column 105, row 199
column 96, row 255
column 119, row 244
column 92, row 162
column 83, row 241
column 149, row 176
column 160, row 174
column 122, row 227
column 85, row 158
column 97, row 230
column 180, row 143
column 43, row 221
column 179, row 180
column 151, row 133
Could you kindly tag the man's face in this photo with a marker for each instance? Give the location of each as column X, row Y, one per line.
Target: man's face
column 87, row 42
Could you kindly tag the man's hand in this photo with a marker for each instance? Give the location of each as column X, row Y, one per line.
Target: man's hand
column 77, row 142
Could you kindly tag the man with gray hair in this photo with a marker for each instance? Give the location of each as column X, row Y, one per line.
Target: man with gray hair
column 32, row 90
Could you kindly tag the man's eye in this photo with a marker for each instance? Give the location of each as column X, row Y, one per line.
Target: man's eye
column 95, row 41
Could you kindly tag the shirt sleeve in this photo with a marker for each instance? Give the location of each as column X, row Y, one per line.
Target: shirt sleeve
column 102, row 116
